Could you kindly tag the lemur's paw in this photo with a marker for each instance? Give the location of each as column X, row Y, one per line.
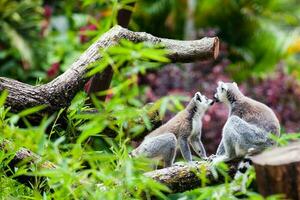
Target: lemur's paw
column 179, row 164
column 211, row 158
column 193, row 164
column 218, row 159
column 205, row 158
column 189, row 164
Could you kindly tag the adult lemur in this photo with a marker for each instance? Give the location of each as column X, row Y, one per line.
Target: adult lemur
column 184, row 128
column 247, row 126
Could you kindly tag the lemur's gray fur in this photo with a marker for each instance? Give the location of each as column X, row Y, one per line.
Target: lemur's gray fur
column 247, row 126
column 183, row 129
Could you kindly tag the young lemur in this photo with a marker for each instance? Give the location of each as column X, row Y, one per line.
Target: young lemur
column 183, row 128
column 247, row 126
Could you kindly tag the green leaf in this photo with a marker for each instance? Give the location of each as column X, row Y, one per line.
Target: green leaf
column 19, row 43
column 155, row 55
column 163, row 107
column 3, row 97
column 32, row 110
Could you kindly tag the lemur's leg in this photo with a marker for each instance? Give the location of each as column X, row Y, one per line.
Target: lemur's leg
column 197, row 145
column 185, row 148
column 250, row 136
column 230, row 138
column 170, row 153
column 239, row 137
column 221, row 149
column 162, row 146
column 229, row 152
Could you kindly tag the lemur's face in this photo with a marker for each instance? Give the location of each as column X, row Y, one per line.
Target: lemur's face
column 202, row 101
column 222, row 91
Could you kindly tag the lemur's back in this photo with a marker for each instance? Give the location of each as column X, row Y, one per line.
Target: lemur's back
column 257, row 113
column 174, row 125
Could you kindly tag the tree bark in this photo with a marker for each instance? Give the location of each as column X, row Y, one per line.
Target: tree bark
column 58, row 93
column 23, row 157
column 278, row 171
column 178, row 178
column 186, row 177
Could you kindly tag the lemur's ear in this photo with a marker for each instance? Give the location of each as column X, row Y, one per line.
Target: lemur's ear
column 224, row 87
column 197, row 96
column 220, row 83
column 234, row 83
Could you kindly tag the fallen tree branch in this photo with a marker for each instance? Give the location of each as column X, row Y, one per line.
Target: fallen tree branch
column 178, row 178
column 58, row 93
column 186, row 177
column 23, row 157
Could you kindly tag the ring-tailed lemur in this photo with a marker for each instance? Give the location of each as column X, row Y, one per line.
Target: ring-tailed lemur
column 247, row 126
column 184, row 129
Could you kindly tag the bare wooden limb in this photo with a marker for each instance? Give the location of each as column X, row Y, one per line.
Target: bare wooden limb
column 59, row 92
column 25, row 157
column 178, row 178
column 186, row 177
column 278, row 171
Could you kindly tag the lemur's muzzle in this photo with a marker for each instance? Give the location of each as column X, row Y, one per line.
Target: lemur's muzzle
column 216, row 99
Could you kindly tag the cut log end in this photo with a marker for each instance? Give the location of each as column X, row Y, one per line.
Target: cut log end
column 216, row 48
column 180, row 178
column 279, row 156
column 278, row 171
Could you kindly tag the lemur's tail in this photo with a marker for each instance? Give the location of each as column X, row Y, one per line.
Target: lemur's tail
column 132, row 154
column 241, row 177
column 243, row 166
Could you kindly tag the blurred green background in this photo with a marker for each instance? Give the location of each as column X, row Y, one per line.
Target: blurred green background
column 40, row 39
column 260, row 44
column 258, row 35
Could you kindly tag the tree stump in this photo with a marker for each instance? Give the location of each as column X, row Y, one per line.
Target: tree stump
column 278, row 171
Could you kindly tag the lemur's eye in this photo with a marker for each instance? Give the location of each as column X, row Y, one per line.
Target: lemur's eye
column 222, row 89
